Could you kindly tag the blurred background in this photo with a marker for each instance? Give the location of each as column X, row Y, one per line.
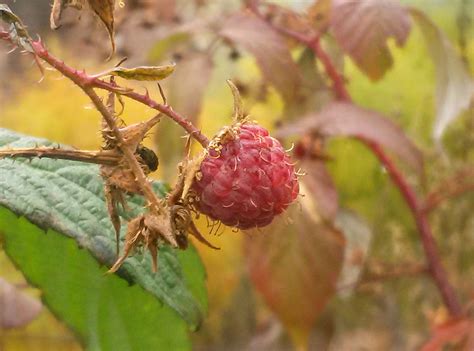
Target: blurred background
column 383, row 299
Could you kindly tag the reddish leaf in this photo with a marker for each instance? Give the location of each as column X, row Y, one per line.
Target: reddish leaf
column 296, row 266
column 185, row 90
column 195, row 71
column 454, row 85
column 363, row 27
column 458, row 333
column 319, row 183
column 339, row 118
column 269, row 49
column 16, row 308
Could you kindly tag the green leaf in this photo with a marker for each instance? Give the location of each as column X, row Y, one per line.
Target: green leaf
column 67, row 197
column 103, row 310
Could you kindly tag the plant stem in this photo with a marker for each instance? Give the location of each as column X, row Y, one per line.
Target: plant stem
column 84, row 82
column 435, row 266
column 82, row 79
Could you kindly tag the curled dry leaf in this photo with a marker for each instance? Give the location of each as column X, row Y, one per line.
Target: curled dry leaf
column 16, row 308
column 363, row 27
column 59, row 6
column 104, row 9
column 17, row 30
column 269, row 48
column 295, row 264
column 346, row 119
column 454, row 84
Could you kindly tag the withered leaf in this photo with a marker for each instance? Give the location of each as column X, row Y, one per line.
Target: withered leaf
column 59, row 6
column 17, row 30
column 104, row 9
column 142, row 73
column 363, row 27
column 16, row 308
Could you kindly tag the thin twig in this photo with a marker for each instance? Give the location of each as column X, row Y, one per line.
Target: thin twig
column 103, row 157
column 436, row 268
column 82, row 79
column 382, row 274
column 459, row 184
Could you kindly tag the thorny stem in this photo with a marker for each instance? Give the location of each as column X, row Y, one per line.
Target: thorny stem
column 435, row 266
column 140, row 177
column 82, row 79
column 85, row 83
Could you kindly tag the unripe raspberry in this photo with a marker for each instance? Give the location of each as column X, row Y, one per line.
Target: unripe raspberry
column 246, row 179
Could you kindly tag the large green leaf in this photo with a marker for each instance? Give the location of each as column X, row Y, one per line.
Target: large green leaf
column 67, row 197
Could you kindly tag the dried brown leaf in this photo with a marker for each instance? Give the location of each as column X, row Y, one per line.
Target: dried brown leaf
column 346, row 119
column 59, row 6
column 363, row 27
column 16, row 308
column 104, row 9
column 269, row 48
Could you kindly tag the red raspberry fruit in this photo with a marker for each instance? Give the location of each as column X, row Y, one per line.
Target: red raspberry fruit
column 246, row 179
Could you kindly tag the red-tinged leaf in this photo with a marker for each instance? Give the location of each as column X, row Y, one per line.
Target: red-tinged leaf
column 363, row 27
column 270, row 51
column 185, row 90
column 313, row 92
column 16, row 308
column 358, row 236
column 194, row 71
column 454, row 84
column 295, row 266
column 457, row 333
column 346, row 119
column 319, row 183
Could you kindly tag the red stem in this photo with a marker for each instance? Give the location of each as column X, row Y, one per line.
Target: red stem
column 82, row 79
column 435, row 266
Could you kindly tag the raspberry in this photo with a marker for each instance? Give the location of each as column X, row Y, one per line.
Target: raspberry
column 246, row 179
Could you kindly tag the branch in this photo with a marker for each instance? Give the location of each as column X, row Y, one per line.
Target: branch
column 103, row 157
column 435, row 266
column 83, row 80
column 382, row 272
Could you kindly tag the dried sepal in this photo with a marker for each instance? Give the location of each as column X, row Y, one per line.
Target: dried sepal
column 149, row 231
